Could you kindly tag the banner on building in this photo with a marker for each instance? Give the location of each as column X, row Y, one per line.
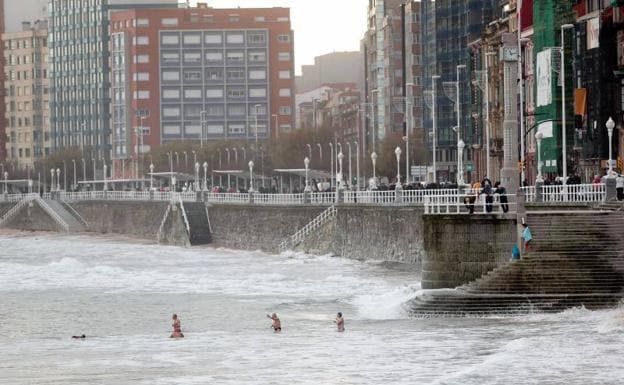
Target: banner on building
column 620, row 47
column 593, row 33
column 580, row 101
column 546, row 128
column 544, row 78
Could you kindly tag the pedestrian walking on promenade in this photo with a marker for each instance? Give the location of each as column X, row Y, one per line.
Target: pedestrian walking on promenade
column 619, row 185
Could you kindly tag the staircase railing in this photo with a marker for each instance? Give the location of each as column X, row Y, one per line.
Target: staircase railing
column 163, row 221
column 76, row 214
column 315, row 224
column 186, row 222
column 16, row 208
column 57, row 218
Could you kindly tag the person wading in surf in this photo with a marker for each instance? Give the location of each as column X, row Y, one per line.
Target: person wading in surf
column 340, row 322
column 276, row 324
column 177, row 330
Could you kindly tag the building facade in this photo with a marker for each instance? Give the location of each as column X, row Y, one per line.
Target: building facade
column 335, row 67
column 200, row 74
column 80, row 71
column 27, row 94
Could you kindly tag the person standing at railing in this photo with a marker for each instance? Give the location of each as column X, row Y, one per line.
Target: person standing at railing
column 502, row 196
column 489, row 198
column 619, row 186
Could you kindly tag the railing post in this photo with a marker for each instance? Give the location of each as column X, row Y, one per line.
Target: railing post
column 307, row 198
column 611, row 189
column 539, row 193
column 151, row 194
column 198, row 196
column 398, row 196
column 251, row 197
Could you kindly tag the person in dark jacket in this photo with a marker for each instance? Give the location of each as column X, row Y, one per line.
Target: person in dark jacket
column 502, row 193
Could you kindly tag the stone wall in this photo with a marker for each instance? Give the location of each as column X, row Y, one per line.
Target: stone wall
column 138, row 219
column 460, row 249
column 372, row 233
column 257, row 227
column 174, row 230
column 32, row 217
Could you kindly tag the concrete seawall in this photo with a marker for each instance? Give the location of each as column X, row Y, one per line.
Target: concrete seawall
column 460, row 249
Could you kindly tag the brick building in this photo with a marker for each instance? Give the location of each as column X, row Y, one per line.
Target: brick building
column 199, row 74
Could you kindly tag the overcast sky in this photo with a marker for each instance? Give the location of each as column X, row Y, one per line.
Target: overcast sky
column 321, row 26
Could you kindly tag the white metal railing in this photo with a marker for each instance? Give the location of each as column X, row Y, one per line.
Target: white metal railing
column 234, row 198
column 186, row 222
column 302, row 234
column 16, row 208
column 323, row 198
column 12, row 197
column 57, row 218
column 529, row 193
column 463, row 203
column 279, row 199
column 163, row 221
column 575, row 193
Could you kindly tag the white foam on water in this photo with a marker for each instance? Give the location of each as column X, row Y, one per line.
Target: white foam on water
column 386, row 304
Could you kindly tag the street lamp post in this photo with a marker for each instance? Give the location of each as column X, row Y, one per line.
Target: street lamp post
column 408, row 126
column 374, row 159
column 435, row 126
column 331, row 165
column 84, row 170
column 185, row 160
column 564, row 146
column 460, row 167
column 93, row 160
column 320, row 151
column 58, row 179
column 202, row 117
column 205, row 176
column 6, row 174
column 251, row 166
column 177, row 159
column 487, row 111
column 194, row 156
column 64, row 175
column 357, row 165
column 610, row 125
column 460, row 162
column 6, row 177
column 74, row 164
column 340, row 158
column 306, row 161
column 104, row 168
column 170, row 156
column 151, row 167
column 350, row 175
column 309, row 151
column 244, row 153
column 196, row 175
column 397, row 152
column 539, row 137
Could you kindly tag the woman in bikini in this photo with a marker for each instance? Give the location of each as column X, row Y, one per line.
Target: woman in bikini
column 177, row 330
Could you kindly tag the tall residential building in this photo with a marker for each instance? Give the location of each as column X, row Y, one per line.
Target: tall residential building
column 200, row 74
column 448, row 27
column 335, row 67
column 80, row 85
column 27, row 93
column 393, row 66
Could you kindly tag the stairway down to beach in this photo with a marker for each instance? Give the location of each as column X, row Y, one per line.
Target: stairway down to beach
column 577, row 260
column 73, row 223
column 199, row 223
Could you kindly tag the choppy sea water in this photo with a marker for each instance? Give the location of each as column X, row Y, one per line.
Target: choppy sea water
column 122, row 294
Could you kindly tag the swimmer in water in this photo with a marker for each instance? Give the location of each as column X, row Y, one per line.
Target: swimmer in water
column 79, row 337
column 177, row 330
column 276, row 324
column 340, row 322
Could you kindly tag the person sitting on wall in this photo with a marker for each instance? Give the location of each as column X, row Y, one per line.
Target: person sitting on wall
column 469, row 201
column 515, row 253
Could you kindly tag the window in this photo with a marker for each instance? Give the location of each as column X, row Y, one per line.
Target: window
column 259, row 18
column 141, row 59
column 283, row 38
column 284, row 110
column 214, row 74
column 142, row 22
column 142, row 40
column 214, row 129
column 212, row 38
column 235, row 74
column 141, row 76
column 192, row 111
column 214, row 56
column 257, row 93
column 214, row 110
column 141, row 95
column 169, row 22
column 257, row 74
column 171, row 112
column 170, row 39
column 171, row 75
column 236, row 128
column 235, row 38
column 257, row 56
column 284, row 92
column 283, row 19
column 192, row 38
column 192, row 93
column 171, row 94
column 284, row 74
column 192, row 129
column 283, row 56
column 236, row 57
column 192, row 57
column 171, row 129
column 236, row 93
column 214, row 93
column 237, row 110
column 192, row 75
column 234, row 18
column 257, row 38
